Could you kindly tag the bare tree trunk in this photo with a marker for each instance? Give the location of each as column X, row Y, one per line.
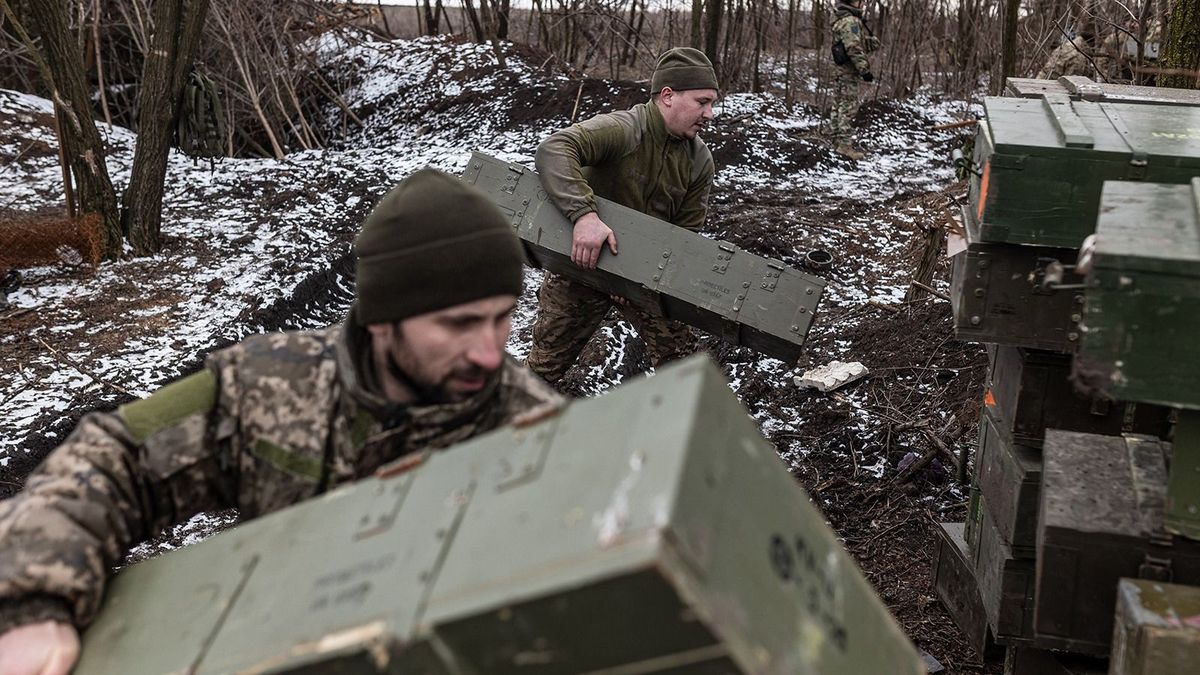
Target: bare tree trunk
column 489, row 28
column 1181, row 46
column 818, row 26
column 632, row 31
column 387, row 29
column 177, row 31
column 474, row 17
column 502, row 10
column 82, row 145
column 440, row 8
column 730, row 71
column 697, row 24
column 789, row 92
column 543, row 29
column 1008, row 49
column 431, row 19
column 712, row 36
column 756, row 82
column 99, row 61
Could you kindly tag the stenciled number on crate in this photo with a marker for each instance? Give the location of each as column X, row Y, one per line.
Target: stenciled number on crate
column 348, row 585
column 797, row 564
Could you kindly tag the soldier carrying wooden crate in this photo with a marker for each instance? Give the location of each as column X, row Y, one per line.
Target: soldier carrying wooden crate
column 279, row 418
column 647, row 158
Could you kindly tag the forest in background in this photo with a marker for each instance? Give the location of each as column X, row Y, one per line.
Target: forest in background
column 263, row 61
column 246, row 79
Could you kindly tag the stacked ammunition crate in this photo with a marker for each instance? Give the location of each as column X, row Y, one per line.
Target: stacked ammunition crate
column 1066, row 495
column 649, row 530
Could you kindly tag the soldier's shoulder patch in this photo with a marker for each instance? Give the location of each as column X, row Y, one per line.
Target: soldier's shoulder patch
column 854, row 28
column 168, row 406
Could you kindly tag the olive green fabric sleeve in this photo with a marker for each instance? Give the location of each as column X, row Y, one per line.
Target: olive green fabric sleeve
column 118, row 479
column 561, row 157
column 695, row 202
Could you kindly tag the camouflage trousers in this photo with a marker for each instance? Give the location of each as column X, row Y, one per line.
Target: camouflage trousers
column 845, row 104
column 570, row 313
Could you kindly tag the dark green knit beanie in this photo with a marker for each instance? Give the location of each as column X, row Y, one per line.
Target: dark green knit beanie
column 683, row 68
column 431, row 243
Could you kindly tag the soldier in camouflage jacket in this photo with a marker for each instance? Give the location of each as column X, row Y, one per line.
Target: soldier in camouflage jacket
column 419, row 364
column 647, row 158
column 852, row 41
column 1077, row 56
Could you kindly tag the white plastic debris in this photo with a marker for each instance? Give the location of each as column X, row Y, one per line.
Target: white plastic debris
column 831, row 376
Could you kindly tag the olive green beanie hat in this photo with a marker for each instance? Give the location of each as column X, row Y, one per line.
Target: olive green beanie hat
column 431, row 243
column 683, row 68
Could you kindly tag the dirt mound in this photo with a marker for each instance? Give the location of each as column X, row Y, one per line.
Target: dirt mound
column 761, row 148
column 887, row 112
column 574, row 98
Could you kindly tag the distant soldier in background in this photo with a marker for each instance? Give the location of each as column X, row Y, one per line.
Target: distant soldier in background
column 1077, row 56
column 1120, row 51
column 648, row 158
column 852, row 41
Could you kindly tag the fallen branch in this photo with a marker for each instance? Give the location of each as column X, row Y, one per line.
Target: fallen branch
column 910, row 425
column 578, row 94
column 1154, row 70
column 63, row 358
column 953, row 125
column 16, row 159
column 879, row 305
column 853, row 453
column 889, row 529
column 929, row 289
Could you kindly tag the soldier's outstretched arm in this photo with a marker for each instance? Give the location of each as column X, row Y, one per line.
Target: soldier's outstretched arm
column 560, row 160
column 561, row 157
column 119, row 479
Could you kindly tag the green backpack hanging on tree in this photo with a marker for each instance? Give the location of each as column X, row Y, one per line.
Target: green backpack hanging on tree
column 201, row 129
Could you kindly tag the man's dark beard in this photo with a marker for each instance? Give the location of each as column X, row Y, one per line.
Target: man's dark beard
column 428, row 393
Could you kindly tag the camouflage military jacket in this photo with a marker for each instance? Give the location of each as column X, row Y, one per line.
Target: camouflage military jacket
column 630, row 158
column 849, row 29
column 274, row 420
column 1069, row 58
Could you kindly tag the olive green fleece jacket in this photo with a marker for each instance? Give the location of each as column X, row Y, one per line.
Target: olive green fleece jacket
column 630, row 158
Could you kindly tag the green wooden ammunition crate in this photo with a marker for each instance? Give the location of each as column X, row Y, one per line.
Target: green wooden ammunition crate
column 649, row 530
column 954, row 584
column 1101, row 519
column 1006, row 584
column 1157, row 629
column 1143, row 297
column 1079, row 87
column 662, row 269
column 1043, row 161
column 999, row 293
column 1010, row 476
column 1030, row 391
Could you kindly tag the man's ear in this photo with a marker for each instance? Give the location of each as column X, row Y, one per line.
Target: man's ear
column 381, row 331
column 666, row 95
